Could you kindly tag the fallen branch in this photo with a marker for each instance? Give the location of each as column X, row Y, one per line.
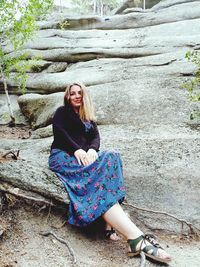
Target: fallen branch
column 15, row 154
column 59, row 226
column 1, row 232
column 40, row 201
column 182, row 221
column 63, row 242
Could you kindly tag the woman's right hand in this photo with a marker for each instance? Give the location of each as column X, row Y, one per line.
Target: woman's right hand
column 81, row 157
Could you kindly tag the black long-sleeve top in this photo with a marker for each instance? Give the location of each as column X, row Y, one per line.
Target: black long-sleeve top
column 71, row 134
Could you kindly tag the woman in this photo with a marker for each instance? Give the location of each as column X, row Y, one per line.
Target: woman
column 93, row 179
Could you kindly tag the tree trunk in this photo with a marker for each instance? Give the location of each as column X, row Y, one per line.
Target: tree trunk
column 101, row 9
column 144, row 4
column 94, row 6
column 12, row 122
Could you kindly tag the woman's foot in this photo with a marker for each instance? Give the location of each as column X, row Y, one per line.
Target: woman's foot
column 149, row 246
column 111, row 234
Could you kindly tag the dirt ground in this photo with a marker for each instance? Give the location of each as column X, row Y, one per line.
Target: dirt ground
column 17, row 132
column 23, row 246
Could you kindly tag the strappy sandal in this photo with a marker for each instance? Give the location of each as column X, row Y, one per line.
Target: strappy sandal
column 150, row 251
column 110, row 232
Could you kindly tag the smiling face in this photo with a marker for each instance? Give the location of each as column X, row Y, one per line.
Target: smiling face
column 76, row 97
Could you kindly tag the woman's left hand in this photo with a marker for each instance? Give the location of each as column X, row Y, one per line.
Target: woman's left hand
column 92, row 155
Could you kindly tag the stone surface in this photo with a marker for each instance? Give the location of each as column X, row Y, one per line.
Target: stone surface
column 161, row 168
column 4, row 111
column 169, row 3
column 170, row 41
column 138, row 6
column 148, row 94
column 73, row 46
column 39, row 109
column 31, row 171
column 168, row 12
column 133, row 66
column 42, row 132
column 113, row 70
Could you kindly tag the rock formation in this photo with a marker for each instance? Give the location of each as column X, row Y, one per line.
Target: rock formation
column 133, row 65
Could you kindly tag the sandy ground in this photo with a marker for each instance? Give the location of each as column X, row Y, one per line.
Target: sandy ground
column 23, row 246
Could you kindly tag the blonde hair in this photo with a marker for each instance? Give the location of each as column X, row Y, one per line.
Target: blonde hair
column 86, row 111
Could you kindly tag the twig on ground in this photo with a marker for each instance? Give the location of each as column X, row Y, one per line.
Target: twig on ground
column 15, row 154
column 49, row 212
column 42, row 208
column 143, row 259
column 59, row 226
column 63, row 242
column 182, row 221
column 37, row 200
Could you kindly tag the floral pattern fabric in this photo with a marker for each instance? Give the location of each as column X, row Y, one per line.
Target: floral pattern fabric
column 92, row 189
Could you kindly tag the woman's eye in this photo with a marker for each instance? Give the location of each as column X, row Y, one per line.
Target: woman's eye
column 74, row 93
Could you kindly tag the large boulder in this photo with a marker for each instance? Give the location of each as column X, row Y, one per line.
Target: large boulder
column 111, row 71
column 72, row 46
column 168, row 3
column 4, row 111
column 39, row 110
column 129, row 4
column 133, row 66
column 30, row 172
column 161, row 169
column 134, row 46
column 168, row 12
column 148, row 93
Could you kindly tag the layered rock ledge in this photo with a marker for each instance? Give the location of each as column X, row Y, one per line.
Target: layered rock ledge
column 133, row 65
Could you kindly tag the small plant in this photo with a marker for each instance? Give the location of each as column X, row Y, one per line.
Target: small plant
column 64, row 25
column 193, row 86
column 17, row 26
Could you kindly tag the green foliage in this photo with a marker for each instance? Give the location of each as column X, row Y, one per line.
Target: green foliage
column 193, row 86
column 18, row 18
column 17, row 26
column 22, row 66
column 64, row 25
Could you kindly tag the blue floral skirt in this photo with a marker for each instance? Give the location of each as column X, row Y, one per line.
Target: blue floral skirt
column 92, row 189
